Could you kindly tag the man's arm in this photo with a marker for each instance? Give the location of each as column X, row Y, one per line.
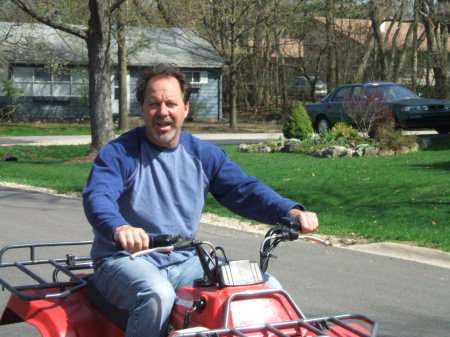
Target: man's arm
column 103, row 188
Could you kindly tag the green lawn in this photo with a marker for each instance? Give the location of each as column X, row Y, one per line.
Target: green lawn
column 43, row 129
column 403, row 198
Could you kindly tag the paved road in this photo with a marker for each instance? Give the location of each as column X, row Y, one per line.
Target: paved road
column 406, row 298
column 218, row 139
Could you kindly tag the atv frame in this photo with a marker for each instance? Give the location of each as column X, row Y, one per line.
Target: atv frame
column 217, row 306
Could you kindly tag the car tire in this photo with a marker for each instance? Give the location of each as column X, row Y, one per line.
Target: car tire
column 442, row 130
column 322, row 125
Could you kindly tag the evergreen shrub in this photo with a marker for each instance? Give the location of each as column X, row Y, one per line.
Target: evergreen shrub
column 298, row 125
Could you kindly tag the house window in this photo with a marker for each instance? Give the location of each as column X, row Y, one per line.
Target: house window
column 42, row 82
column 197, row 77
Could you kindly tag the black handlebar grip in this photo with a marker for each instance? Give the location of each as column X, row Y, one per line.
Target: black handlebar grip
column 159, row 241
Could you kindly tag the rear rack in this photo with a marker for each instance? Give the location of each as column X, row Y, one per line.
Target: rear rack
column 318, row 326
column 64, row 264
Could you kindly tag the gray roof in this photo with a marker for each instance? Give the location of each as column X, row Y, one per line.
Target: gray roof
column 39, row 44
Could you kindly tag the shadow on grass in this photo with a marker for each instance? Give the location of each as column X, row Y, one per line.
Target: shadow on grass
column 444, row 166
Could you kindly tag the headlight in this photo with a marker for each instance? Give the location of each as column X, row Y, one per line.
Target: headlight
column 415, row 108
column 447, row 107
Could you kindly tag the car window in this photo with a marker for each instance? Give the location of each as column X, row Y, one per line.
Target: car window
column 357, row 92
column 389, row 92
column 342, row 94
column 401, row 92
column 300, row 81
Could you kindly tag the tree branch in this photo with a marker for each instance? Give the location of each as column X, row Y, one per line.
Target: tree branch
column 25, row 6
column 116, row 5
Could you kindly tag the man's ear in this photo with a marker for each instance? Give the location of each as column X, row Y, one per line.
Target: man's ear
column 186, row 110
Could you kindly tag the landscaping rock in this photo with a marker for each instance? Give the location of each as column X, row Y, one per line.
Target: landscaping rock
column 371, row 152
column 359, row 151
column 384, row 152
column 243, row 148
column 294, row 146
column 334, row 151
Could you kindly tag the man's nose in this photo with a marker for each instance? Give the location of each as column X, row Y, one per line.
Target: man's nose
column 163, row 109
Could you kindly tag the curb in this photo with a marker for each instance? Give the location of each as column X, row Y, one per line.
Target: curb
column 411, row 253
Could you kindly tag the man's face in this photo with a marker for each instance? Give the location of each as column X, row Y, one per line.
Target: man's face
column 164, row 111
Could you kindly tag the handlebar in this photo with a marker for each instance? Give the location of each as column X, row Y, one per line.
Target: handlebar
column 287, row 230
column 177, row 246
column 159, row 241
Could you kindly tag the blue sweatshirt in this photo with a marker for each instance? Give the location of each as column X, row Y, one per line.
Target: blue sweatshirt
column 163, row 190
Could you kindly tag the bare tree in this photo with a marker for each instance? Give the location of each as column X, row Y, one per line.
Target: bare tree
column 239, row 32
column 97, row 36
column 368, row 114
column 435, row 16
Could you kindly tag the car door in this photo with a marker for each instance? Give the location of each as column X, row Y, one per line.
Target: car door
column 335, row 105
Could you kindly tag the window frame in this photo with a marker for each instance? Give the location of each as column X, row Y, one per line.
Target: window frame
column 51, row 86
column 202, row 76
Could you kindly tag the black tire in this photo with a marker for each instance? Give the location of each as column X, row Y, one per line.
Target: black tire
column 442, row 130
column 322, row 124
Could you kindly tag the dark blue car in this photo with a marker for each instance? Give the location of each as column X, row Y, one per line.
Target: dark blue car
column 411, row 111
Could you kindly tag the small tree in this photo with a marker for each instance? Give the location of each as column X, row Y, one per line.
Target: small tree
column 369, row 113
column 9, row 112
column 298, row 124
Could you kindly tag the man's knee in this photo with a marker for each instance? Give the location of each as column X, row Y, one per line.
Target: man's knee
column 162, row 292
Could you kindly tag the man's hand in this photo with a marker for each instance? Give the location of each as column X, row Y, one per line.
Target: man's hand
column 132, row 239
column 308, row 220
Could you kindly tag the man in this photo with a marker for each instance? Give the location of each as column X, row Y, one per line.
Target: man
column 153, row 181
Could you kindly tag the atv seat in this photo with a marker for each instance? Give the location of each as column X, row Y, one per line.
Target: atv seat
column 114, row 314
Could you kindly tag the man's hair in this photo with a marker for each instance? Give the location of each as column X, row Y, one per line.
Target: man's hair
column 162, row 70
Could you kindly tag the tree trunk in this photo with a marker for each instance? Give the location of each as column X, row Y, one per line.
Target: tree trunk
column 233, row 99
column 102, row 128
column 414, row 60
column 376, row 17
column 233, row 71
column 97, row 37
column 437, row 37
column 329, row 26
column 123, row 72
column 369, row 45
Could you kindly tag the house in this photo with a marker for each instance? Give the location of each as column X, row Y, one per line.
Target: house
column 51, row 67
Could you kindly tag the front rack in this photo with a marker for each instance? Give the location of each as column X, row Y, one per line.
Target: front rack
column 317, row 326
column 65, row 265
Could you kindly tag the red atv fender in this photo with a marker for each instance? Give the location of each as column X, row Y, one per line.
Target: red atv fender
column 55, row 308
column 70, row 316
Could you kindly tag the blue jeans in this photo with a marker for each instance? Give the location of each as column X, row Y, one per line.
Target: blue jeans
column 148, row 292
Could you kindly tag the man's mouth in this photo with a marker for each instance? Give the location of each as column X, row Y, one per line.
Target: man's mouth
column 163, row 124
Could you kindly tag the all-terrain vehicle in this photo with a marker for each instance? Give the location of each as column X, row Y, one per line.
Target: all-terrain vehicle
column 231, row 299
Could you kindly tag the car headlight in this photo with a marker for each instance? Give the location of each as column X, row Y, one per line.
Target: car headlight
column 447, row 107
column 415, row 108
